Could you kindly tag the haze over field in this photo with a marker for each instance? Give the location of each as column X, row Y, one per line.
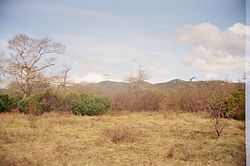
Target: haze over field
column 108, row 40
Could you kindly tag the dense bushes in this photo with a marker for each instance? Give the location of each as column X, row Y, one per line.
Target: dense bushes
column 66, row 102
column 151, row 100
column 234, row 106
column 226, row 98
column 7, row 103
column 83, row 104
column 189, row 98
column 148, row 100
column 39, row 103
column 4, row 102
column 46, row 102
column 88, row 104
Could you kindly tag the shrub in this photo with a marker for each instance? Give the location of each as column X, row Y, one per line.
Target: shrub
column 31, row 105
column 21, row 105
column 39, row 103
column 66, row 102
column 234, row 106
column 88, row 104
column 127, row 101
column 51, row 101
column 13, row 102
column 151, row 100
column 7, row 103
column 217, row 97
column 148, row 100
column 4, row 102
column 120, row 134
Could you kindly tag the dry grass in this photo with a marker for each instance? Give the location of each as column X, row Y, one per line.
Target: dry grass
column 125, row 138
column 120, row 134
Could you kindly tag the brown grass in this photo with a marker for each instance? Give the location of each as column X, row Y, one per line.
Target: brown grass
column 120, row 134
column 125, row 138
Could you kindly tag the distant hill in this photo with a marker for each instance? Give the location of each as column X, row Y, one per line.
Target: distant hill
column 171, row 84
column 116, row 87
column 113, row 87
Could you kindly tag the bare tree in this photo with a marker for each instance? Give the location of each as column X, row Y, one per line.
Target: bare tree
column 66, row 70
column 29, row 59
column 137, row 80
column 1, row 68
column 218, row 94
column 190, row 98
column 139, row 95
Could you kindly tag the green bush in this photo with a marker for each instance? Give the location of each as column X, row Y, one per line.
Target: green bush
column 89, row 104
column 234, row 107
column 51, row 101
column 7, row 103
column 66, row 102
column 21, row 104
column 4, row 102
column 39, row 103
column 13, row 102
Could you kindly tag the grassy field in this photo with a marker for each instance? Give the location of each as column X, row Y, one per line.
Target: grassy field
column 137, row 138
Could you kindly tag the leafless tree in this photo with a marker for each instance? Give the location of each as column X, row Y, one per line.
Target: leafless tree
column 139, row 95
column 1, row 69
column 66, row 70
column 137, row 80
column 191, row 99
column 30, row 58
column 218, row 94
column 2, row 66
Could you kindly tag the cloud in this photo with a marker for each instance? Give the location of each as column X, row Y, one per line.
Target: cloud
column 239, row 29
column 214, row 63
column 218, row 52
column 208, row 35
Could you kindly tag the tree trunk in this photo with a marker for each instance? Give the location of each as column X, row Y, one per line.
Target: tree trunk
column 26, row 92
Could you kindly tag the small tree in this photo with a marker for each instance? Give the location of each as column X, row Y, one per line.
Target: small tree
column 2, row 66
column 133, row 99
column 137, row 80
column 29, row 58
column 218, row 94
column 65, row 72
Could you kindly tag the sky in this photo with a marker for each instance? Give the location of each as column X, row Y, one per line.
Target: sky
column 110, row 39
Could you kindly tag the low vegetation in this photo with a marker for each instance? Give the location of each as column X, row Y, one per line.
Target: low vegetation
column 7, row 103
column 219, row 99
column 119, row 134
column 4, row 102
column 89, row 104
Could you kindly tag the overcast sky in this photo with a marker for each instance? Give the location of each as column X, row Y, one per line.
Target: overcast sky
column 168, row 38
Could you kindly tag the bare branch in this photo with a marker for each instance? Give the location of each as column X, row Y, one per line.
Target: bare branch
column 46, row 66
column 29, row 59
